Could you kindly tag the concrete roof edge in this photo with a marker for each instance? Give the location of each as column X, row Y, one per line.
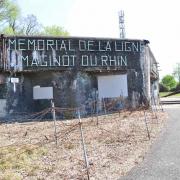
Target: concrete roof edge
column 74, row 37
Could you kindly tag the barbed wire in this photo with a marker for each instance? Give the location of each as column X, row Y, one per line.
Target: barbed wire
column 66, row 129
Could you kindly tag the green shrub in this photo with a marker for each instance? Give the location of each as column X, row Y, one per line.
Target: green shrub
column 178, row 87
column 169, row 82
column 163, row 88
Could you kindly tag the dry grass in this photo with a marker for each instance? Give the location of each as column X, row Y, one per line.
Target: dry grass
column 114, row 146
column 20, row 158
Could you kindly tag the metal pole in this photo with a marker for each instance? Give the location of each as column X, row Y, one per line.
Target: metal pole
column 92, row 105
column 156, row 110
column 83, row 144
column 104, row 104
column 153, row 110
column 155, row 104
column 97, row 112
column 145, row 120
column 161, row 106
column 14, row 87
column 54, row 118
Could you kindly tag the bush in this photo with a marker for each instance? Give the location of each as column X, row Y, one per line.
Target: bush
column 169, row 82
column 178, row 87
column 163, row 88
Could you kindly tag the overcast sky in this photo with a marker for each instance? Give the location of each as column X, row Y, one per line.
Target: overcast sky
column 155, row 20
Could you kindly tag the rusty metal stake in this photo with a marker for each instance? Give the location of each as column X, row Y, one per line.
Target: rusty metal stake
column 147, row 129
column 83, row 144
column 104, row 104
column 97, row 122
column 54, row 118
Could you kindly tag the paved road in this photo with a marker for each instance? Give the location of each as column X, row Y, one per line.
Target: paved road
column 170, row 100
column 163, row 160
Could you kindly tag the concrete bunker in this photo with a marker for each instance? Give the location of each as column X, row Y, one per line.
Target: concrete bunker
column 80, row 70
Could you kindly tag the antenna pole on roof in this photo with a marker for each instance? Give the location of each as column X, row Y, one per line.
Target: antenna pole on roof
column 121, row 24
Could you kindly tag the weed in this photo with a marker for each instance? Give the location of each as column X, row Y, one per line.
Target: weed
column 69, row 145
column 49, row 169
column 20, row 158
column 11, row 176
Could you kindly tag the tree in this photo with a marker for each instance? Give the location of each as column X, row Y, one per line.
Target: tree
column 11, row 22
column 25, row 26
column 3, row 10
column 169, row 82
column 29, row 25
column 54, row 30
column 8, row 31
column 9, row 14
column 13, row 15
column 176, row 72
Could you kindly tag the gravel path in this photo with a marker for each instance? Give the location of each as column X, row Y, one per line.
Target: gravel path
column 163, row 161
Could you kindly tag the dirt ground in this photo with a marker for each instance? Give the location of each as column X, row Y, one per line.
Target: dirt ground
column 114, row 143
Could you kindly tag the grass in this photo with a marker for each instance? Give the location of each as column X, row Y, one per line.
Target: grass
column 162, row 94
column 10, row 176
column 17, row 159
column 176, row 95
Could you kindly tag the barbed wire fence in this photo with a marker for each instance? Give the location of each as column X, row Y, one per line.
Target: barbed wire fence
column 86, row 140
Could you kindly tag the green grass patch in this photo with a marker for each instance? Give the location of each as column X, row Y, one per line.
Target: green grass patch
column 15, row 159
column 162, row 94
column 176, row 95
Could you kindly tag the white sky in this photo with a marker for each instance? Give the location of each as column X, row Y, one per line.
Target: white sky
column 155, row 20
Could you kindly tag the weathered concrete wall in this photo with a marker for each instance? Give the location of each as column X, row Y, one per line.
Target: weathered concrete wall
column 145, row 67
column 151, row 76
column 71, row 89
column 2, row 108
